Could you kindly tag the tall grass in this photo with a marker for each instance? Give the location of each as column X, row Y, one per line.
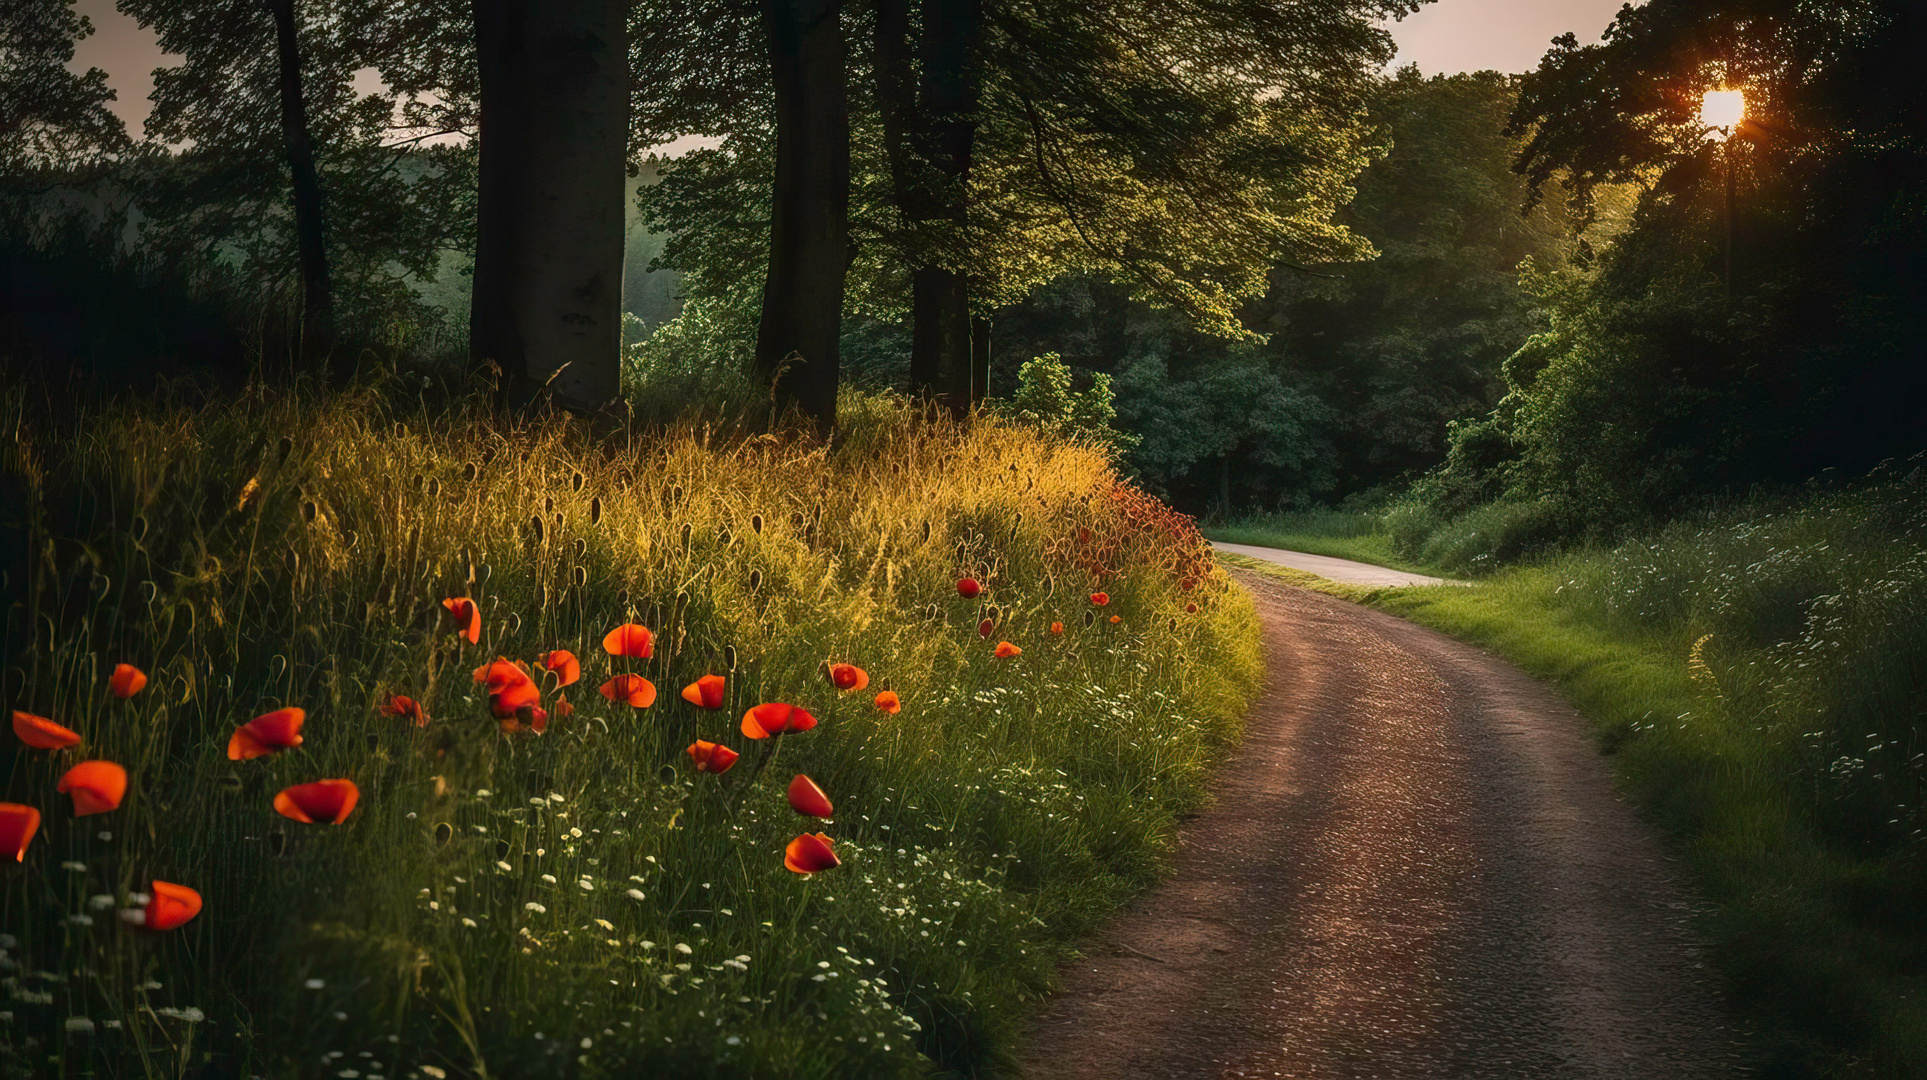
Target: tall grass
column 580, row 903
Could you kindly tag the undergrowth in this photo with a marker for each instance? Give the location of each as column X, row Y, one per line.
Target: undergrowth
column 580, row 902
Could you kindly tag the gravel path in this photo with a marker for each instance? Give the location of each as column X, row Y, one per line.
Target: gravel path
column 1415, row 867
column 1327, row 566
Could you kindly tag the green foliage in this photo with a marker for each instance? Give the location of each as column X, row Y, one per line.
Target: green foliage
column 1045, row 399
column 581, row 900
column 52, row 120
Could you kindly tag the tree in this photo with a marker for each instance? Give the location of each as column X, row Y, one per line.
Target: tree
column 317, row 295
column 52, row 120
column 553, row 86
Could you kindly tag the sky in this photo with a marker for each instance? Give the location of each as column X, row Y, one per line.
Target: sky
column 1445, row 37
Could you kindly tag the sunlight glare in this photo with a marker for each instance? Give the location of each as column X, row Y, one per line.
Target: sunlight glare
column 1723, row 110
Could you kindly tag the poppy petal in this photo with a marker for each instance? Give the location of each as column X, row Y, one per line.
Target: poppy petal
column 888, row 702
column 95, row 786
column 328, row 801
column 42, row 733
column 849, row 677
column 984, row 628
column 513, row 697
column 126, row 681
column 1005, row 650
column 775, row 718
column 637, row 691
column 172, row 905
column 1100, row 599
column 810, row 853
column 705, row 693
column 969, row 588
column 266, row 734
column 403, row 706
column 466, row 616
column 807, row 798
column 630, row 639
column 564, row 664
column 711, row 757
column 18, row 823
column 1057, row 628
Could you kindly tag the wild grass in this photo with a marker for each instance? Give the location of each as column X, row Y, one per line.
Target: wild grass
column 580, row 902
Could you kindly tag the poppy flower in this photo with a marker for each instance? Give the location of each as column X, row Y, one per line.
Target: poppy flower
column 634, row 689
column 810, row 853
column 887, row 701
column 1057, row 628
column 1117, row 618
column 629, row 639
column 969, row 589
column 1190, row 609
column 984, row 628
column 849, row 677
column 512, row 697
column 126, row 681
column 705, row 693
column 526, row 718
column 42, row 733
column 1005, row 650
column 404, row 706
column 466, row 617
column 172, row 905
column 1100, row 599
column 266, row 734
column 562, row 706
column 564, row 664
column 96, row 786
column 712, row 757
column 18, row 823
column 501, row 674
column 807, row 798
column 775, row 718
column 328, row 801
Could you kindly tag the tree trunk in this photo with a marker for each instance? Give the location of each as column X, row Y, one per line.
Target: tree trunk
column 796, row 343
column 929, row 142
column 317, row 293
column 547, row 290
column 979, row 360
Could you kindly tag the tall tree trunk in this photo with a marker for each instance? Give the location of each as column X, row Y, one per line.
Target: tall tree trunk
column 796, row 343
column 317, row 293
column 979, row 360
column 547, row 290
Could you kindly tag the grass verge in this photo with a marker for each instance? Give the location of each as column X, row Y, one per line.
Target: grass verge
column 1340, row 534
column 580, row 901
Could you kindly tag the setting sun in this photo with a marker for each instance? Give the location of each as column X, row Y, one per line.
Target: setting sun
column 1723, row 109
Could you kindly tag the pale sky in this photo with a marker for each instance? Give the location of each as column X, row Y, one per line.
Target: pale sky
column 1445, row 37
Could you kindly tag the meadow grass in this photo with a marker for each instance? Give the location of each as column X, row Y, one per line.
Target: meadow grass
column 1342, row 534
column 1759, row 676
column 581, row 902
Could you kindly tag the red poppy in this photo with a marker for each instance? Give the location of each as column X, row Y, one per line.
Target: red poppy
column 887, row 701
column 1190, row 609
column 266, row 734
column 810, row 853
column 328, row 801
column 1187, row 584
column 502, row 673
column 984, row 628
column 849, row 677
column 1100, row 599
column 1005, row 650
column 1117, row 618
column 42, row 733
column 629, row 639
column 466, row 617
column 403, row 706
column 96, row 786
column 807, row 798
column 634, row 689
column 1057, row 628
column 564, row 664
column 526, row 718
column 172, row 905
column 775, row 718
column 712, row 757
column 705, row 693
column 562, row 706
column 969, row 589
column 512, row 697
column 18, row 823
column 126, row 681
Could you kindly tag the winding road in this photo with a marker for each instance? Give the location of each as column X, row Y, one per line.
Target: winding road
column 1415, row 866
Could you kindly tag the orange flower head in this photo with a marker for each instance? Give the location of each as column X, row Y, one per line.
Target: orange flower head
column 95, row 786
column 465, row 616
column 712, row 757
column 324, row 801
column 563, row 662
column 810, row 853
column 403, row 706
column 849, row 677
column 969, row 588
column 563, row 708
column 630, row 639
column 984, row 628
column 501, row 674
column 524, row 694
column 172, row 905
column 807, row 798
column 775, row 718
column 705, row 693
column 637, row 691
column 42, row 733
column 1100, row 599
column 888, row 702
column 18, row 823
column 1005, row 650
column 1117, row 618
column 526, row 718
column 126, row 681
column 1056, row 628
column 267, row 734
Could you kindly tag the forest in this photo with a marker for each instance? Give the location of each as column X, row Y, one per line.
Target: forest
column 876, row 335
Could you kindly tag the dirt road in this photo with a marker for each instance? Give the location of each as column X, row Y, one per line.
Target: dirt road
column 1415, row 867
